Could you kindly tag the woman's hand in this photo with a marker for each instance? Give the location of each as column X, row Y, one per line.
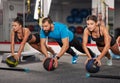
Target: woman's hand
column 97, row 61
column 16, row 57
column 87, row 60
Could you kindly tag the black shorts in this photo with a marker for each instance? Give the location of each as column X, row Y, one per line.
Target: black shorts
column 37, row 38
column 113, row 41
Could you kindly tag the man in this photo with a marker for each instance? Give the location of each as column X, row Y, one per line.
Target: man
column 100, row 19
column 64, row 37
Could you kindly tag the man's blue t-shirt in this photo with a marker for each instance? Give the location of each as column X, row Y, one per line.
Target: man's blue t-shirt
column 60, row 31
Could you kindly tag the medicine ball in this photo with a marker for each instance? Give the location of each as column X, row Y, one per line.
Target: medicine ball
column 91, row 67
column 75, row 12
column 80, row 39
column 79, row 29
column 72, row 28
column 78, row 19
column 70, row 19
column 84, row 13
column 49, row 64
column 11, row 61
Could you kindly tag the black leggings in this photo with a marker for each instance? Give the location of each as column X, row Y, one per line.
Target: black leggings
column 77, row 45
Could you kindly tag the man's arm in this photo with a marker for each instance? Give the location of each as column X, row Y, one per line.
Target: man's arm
column 65, row 47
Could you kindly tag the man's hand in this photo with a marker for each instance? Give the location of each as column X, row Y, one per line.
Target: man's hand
column 56, row 62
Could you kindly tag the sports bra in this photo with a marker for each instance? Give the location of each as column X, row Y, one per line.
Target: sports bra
column 99, row 39
column 20, row 40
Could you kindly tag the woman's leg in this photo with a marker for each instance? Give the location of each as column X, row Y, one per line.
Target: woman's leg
column 115, row 49
column 51, row 50
column 37, row 47
column 118, row 40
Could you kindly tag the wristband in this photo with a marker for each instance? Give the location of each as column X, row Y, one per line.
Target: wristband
column 57, row 57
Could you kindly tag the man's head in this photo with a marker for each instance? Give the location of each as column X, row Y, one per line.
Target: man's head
column 47, row 24
column 100, row 16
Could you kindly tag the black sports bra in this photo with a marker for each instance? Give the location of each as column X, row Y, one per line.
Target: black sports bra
column 100, row 39
column 20, row 40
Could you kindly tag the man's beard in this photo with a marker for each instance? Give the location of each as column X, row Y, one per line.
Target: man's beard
column 47, row 32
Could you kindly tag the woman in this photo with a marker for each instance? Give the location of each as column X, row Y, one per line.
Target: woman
column 24, row 35
column 103, row 39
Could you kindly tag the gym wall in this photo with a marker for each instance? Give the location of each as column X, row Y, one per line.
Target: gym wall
column 57, row 12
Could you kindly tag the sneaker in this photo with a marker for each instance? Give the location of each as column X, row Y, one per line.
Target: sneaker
column 109, row 62
column 114, row 56
column 74, row 59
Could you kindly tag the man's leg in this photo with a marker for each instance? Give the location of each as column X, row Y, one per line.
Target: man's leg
column 78, row 45
column 73, row 54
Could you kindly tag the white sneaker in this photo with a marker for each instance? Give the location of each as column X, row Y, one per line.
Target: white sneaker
column 109, row 62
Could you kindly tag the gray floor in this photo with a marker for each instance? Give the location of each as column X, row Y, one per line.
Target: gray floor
column 65, row 73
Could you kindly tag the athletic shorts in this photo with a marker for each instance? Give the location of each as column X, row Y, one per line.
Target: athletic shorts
column 37, row 38
column 113, row 41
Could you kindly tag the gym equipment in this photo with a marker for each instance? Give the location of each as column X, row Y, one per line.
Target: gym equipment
column 11, row 61
column 84, row 13
column 70, row 19
column 31, row 28
column 37, row 28
column 78, row 19
column 79, row 30
column 75, row 12
column 49, row 64
column 80, row 39
column 102, row 76
column 91, row 67
column 28, row 6
column 72, row 28
column 29, row 55
column 15, row 69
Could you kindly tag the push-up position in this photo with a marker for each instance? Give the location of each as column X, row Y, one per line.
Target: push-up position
column 64, row 37
column 24, row 35
column 103, row 39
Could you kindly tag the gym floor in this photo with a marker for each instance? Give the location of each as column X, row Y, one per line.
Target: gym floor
column 65, row 73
